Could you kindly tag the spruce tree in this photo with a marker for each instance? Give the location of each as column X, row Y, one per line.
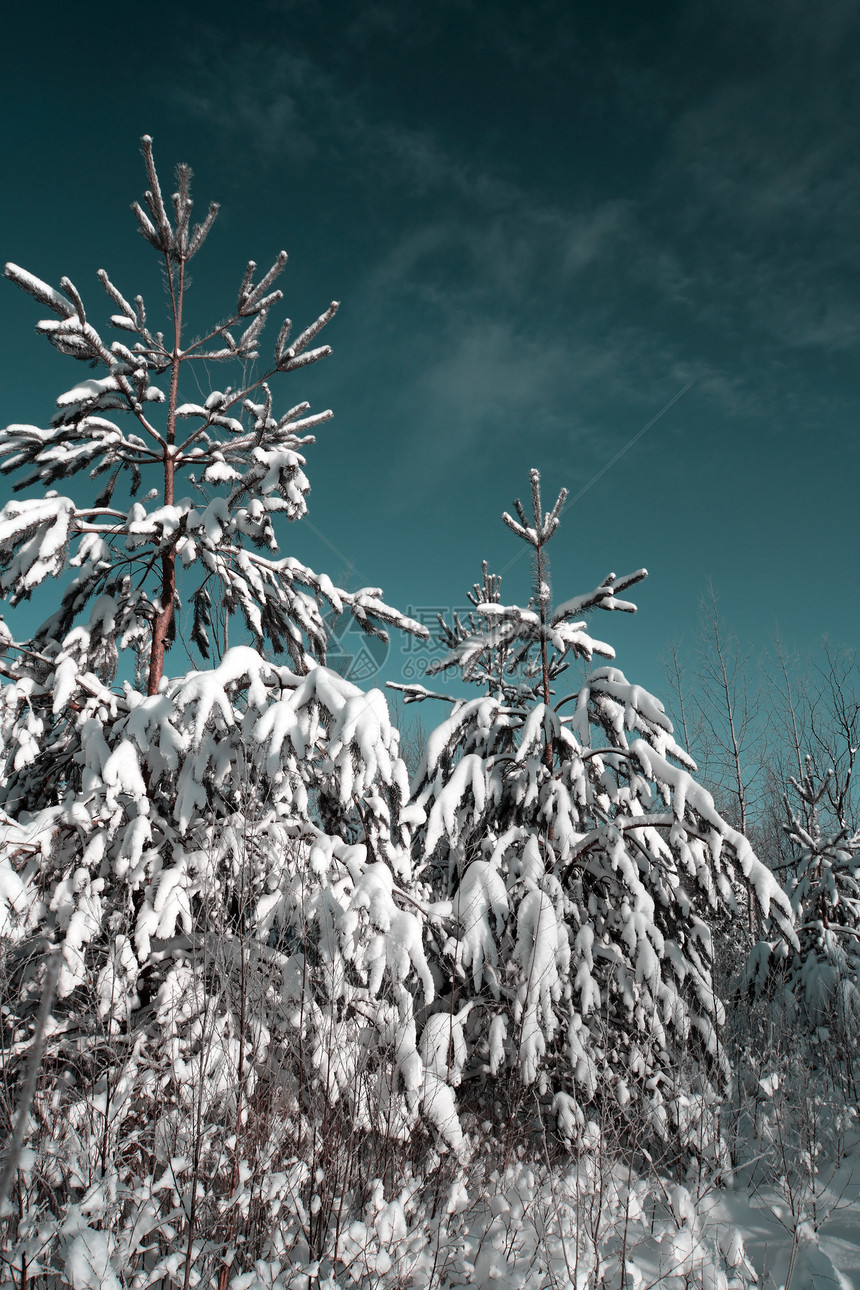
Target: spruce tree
column 583, row 862
column 210, row 866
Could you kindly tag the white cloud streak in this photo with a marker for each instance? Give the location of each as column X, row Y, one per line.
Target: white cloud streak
column 735, row 239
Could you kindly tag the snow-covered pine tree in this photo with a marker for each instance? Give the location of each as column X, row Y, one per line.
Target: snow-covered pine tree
column 217, row 857
column 822, row 973
column 583, row 860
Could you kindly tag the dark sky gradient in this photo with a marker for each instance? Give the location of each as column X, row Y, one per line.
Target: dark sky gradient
column 543, row 221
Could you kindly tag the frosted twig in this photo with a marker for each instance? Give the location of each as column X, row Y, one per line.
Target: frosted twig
column 33, row 1066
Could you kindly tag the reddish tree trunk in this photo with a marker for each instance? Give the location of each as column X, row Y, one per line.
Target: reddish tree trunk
column 164, row 617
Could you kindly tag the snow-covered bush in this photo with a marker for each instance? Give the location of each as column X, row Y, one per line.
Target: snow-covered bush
column 821, row 972
column 584, row 864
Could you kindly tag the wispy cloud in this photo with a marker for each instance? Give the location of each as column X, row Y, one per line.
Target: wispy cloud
column 734, row 240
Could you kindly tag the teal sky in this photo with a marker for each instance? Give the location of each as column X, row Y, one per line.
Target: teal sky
column 543, row 222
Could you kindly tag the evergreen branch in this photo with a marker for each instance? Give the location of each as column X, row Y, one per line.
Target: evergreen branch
column 100, row 510
column 302, row 341
column 418, row 693
column 73, row 294
column 39, row 290
column 146, row 226
column 251, row 299
column 154, row 199
column 201, row 231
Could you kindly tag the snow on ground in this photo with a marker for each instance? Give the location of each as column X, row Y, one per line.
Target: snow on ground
column 582, row 1222
column 822, row 1261
column 778, row 1252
